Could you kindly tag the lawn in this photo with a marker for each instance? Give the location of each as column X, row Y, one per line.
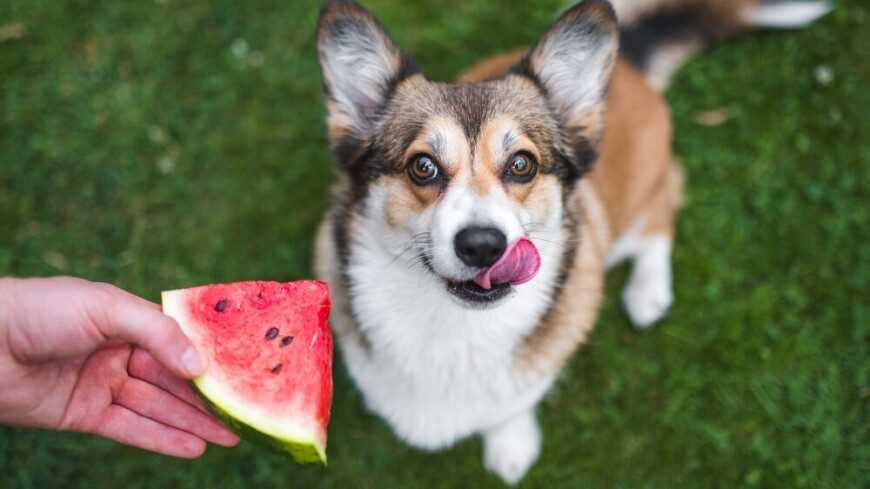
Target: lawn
column 168, row 143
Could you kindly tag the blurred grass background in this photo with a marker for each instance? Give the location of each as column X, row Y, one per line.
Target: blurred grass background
column 168, row 143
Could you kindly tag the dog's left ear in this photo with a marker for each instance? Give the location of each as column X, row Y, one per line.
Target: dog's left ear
column 572, row 63
column 361, row 66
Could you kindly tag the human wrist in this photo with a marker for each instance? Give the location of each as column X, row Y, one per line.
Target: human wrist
column 7, row 300
column 9, row 407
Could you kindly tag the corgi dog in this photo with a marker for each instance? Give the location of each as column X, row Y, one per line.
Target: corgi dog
column 473, row 222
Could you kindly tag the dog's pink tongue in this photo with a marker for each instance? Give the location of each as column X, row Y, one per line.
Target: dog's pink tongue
column 519, row 264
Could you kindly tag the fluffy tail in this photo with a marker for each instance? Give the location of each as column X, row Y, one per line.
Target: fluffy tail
column 658, row 36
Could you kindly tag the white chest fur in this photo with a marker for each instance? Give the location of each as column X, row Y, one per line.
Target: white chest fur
column 435, row 370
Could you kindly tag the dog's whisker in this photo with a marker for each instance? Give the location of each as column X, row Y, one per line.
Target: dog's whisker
column 420, row 240
column 555, row 241
column 548, row 239
column 408, row 247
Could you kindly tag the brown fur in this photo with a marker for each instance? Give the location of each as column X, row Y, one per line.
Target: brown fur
column 635, row 154
column 571, row 319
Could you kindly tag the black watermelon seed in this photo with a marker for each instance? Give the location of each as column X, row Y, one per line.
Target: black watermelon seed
column 272, row 333
column 221, row 305
column 276, row 368
column 286, row 341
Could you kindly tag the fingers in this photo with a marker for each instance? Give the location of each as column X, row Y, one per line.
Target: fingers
column 144, row 366
column 158, row 405
column 125, row 426
column 137, row 321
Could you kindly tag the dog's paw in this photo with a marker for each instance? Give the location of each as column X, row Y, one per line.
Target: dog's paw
column 647, row 296
column 511, row 449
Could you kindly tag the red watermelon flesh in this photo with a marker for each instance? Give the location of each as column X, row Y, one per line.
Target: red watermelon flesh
column 269, row 354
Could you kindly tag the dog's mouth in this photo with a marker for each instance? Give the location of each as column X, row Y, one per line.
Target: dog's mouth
column 469, row 291
column 519, row 264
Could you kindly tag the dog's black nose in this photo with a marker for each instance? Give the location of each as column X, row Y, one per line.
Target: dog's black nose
column 480, row 247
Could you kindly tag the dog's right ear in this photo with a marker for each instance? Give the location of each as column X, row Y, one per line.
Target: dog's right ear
column 361, row 66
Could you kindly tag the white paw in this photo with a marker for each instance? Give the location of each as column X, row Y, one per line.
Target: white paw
column 649, row 294
column 511, row 449
column 647, row 297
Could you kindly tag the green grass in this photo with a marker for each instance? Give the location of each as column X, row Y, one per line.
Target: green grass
column 162, row 144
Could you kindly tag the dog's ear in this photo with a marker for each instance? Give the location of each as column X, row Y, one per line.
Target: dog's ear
column 361, row 66
column 572, row 63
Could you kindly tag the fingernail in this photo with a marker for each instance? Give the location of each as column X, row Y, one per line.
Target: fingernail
column 229, row 439
column 192, row 362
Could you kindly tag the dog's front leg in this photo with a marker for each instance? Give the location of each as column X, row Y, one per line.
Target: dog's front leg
column 510, row 448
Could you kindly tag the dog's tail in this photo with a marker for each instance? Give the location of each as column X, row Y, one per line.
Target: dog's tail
column 659, row 36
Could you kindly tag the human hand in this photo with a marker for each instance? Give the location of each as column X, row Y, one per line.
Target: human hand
column 90, row 357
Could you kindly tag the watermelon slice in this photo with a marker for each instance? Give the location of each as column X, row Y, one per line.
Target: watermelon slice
column 269, row 354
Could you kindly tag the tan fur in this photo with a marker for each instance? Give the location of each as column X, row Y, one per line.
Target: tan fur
column 491, row 67
column 484, row 175
column 660, row 211
column 635, row 177
column 405, row 200
column 630, row 10
column 572, row 318
column 536, row 195
column 491, row 158
column 635, row 154
column 483, row 181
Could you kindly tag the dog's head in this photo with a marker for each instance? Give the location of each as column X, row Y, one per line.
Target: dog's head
column 455, row 175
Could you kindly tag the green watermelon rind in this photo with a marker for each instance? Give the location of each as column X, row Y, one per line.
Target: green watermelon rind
column 302, row 451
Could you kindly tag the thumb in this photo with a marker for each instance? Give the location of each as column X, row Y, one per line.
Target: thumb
column 135, row 320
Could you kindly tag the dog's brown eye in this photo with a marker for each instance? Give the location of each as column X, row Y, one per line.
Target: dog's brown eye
column 423, row 170
column 521, row 168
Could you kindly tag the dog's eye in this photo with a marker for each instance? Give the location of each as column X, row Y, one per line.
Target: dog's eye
column 521, row 168
column 423, row 170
